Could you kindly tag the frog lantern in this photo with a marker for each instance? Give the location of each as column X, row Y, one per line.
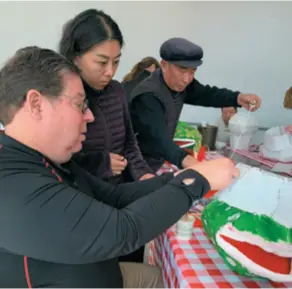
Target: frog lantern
column 250, row 224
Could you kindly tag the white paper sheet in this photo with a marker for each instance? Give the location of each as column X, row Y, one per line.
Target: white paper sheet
column 260, row 192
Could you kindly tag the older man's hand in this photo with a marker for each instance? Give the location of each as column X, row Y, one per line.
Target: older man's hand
column 249, row 101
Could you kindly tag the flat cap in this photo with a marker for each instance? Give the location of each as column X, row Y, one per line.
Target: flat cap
column 181, row 52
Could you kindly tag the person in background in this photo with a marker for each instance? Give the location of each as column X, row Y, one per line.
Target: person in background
column 223, row 134
column 139, row 72
column 62, row 227
column 93, row 41
column 288, row 99
column 288, row 104
column 156, row 102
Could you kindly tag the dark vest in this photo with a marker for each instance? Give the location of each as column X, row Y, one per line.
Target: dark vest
column 172, row 102
column 107, row 132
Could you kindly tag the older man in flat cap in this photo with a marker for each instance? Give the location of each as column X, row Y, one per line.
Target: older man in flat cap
column 156, row 103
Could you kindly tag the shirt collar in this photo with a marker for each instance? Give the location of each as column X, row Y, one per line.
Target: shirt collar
column 13, row 144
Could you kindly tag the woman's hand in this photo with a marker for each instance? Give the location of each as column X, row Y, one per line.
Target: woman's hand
column 118, row 163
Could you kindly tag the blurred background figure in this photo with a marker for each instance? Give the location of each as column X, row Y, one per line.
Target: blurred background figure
column 140, row 71
column 288, row 104
column 223, row 131
column 288, row 98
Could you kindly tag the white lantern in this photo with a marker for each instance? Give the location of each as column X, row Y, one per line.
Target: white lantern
column 242, row 126
column 250, row 224
column 277, row 145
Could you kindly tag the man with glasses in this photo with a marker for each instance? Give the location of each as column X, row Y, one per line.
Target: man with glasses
column 60, row 225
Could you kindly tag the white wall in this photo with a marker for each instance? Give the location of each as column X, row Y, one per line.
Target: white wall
column 247, row 45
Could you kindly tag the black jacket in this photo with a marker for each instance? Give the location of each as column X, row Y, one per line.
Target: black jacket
column 110, row 132
column 155, row 112
column 62, row 227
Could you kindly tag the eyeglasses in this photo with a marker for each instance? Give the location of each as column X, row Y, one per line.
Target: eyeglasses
column 82, row 106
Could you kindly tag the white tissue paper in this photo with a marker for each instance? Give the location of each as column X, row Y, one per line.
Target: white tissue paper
column 277, row 145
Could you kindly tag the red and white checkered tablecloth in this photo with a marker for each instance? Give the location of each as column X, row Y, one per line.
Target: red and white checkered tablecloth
column 196, row 264
column 259, row 158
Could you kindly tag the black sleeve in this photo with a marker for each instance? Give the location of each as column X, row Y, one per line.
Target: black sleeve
column 149, row 122
column 136, row 163
column 51, row 221
column 124, row 194
column 212, row 96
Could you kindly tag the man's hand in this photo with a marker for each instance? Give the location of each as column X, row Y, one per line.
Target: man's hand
column 219, row 172
column 118, row 163
column 249, row 101
column 189, row 161
column 147, row 176
column 288, row 129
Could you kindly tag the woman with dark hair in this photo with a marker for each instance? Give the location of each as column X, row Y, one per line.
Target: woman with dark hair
column 93, row 41
column 140, row 71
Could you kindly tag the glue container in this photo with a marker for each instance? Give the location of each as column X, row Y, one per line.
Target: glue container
column 185, row 227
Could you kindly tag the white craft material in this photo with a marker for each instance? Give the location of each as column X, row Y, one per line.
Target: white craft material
column 260, row 192
column 242, row 126
column 277, row 145
column 240, row 142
